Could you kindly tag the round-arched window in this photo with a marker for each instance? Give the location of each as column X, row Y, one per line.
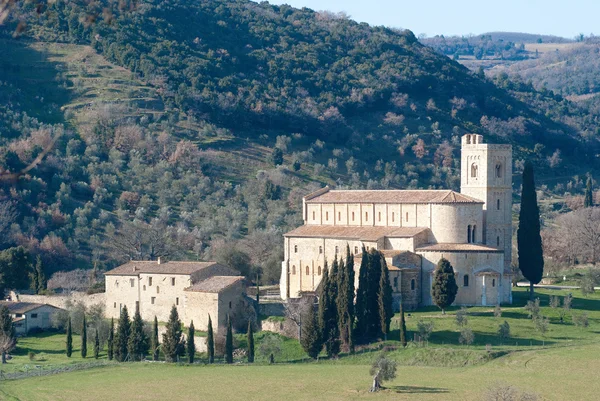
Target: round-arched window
column 498, row 170
column 474, row 170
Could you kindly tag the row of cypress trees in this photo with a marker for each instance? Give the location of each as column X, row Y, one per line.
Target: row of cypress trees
column 338, row 320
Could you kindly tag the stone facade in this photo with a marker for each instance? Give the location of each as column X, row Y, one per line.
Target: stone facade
column 196, row 289
column 414, row 229
column 30, row 316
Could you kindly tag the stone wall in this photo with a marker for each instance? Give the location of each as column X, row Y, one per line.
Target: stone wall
column 60, row 301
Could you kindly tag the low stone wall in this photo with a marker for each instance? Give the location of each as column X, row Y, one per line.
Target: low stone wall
column 285, row 328
column 60, row 301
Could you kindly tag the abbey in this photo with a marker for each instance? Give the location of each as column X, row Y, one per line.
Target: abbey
column 414, row 229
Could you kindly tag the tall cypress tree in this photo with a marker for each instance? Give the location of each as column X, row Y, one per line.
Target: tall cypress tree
column 229, row 342
column 96, row 345
column 362, row 294
column 384, row 298
column 444, row 288
column 190, row 344
column 7, row 330
column 345, row 299
column 69, row 338
column 111, row 339
column 332, row 345
column 402, row 326
column 40, row 276
column 137, row 345
column 311, row 334
column 171, row 344
column 588, row 200
column 122, row 336
column 210, row 342
column 154, row 344
column 529, row 240
column 84, row 338
column 250, row 341
column 374, row 268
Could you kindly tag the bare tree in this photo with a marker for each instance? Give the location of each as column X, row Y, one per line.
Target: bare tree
column 7, row 344
column 138, row 240
column 295, row 308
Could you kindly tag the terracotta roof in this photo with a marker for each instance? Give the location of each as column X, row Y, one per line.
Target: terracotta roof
column 391, row 196
column 215, row 284
column 457, row 248
column 134, row 268
column 22, row 307
column 357, row 233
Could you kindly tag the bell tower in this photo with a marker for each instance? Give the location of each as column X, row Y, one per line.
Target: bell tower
column 486, row 174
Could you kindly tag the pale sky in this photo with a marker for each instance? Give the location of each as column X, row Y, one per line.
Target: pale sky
column 565, row 18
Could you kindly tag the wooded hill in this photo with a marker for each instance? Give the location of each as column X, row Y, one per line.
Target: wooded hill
column 200, row 124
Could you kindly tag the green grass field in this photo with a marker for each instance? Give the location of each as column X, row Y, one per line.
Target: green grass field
column 560, row 365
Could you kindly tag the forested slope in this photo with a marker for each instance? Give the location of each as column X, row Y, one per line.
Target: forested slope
column 198, row 126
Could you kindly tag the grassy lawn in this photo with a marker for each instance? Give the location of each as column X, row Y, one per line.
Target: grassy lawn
column 559, row 365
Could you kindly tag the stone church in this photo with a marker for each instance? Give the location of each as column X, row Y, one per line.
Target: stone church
column 414, row 229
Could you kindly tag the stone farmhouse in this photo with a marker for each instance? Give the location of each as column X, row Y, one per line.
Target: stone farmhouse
column 197, row 289
column 415, row 229
column 28, row 316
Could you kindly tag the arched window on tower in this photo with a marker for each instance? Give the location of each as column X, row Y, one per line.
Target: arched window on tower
column 493, row 282
column 466, row 280
column 498, row 241
column 319, row 270
column 497, row 204
column 498, row 170
column 320, row 249
column 413, row 283
column 474, row 170
column 307, row 270
column 473, row 237
column 294, row 269
column 469, row 234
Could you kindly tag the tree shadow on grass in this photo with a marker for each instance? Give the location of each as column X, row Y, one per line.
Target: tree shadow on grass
column 443, row 337
column 417, row 389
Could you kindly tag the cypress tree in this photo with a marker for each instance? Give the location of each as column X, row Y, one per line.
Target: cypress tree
column 360, row 309
column 171, row 344
column 311, row 334
column 588, row 200
column 41, row 277
column 345, row 299
column 229, row 342
column 190, row 344
column 384, row 298
column 69, row 338
column 529, row 240
column 96, row 345
column 137, row 345
column 402, row 325
column 250, row 341
column 122, row 336
column 210, row 342
column 374, row 275
column 110, row 341
column 84, row 338
column 332, row 344
column 7, row 330
column 154, row 345
column 257, row 291
column 33, row 280
column 444, row 286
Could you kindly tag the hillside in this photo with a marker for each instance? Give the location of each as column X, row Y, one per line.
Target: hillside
column 184, row 126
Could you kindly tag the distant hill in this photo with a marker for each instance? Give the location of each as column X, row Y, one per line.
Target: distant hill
column 186, row 125
column 520, row 37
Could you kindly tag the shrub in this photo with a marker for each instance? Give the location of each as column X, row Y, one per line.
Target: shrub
column 466, row 336
column 554, row 301
column 425, row 328
column 541, row 324
column 31, row 355
column 461, row 317
column 270, row 347
column 504, row 331
column 533, row 308
column 383, row 369
column 581, row 320
column 497, row 311
column 505, row 392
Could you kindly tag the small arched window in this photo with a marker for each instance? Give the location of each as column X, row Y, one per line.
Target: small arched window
column 497, row 204
column 379, row 216
column 356, row 250
column 498, row 241
column 466, row 280
column 314, row 216
column 473, row 238
column 295, row 248
column 327, row 216
column 307, row 270
column 157, row 289
column 337, row 249
column 294, row 269
column 474, row 170
column 319, row 270
column 493, row 282
column 339, row 216
column 320, row 249
column 469, row 233
column 406, row 216
column 413, row 283
column 498, row 170
column 229, row 304
column 366, row 216
column 352, row 216
column 393, row 215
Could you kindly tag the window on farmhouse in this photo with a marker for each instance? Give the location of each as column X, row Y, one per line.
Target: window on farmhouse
column 150, row 281
column 295, row 248
column 115, row 305
column 379, row 216
column 34, row 315
column 327, row 216
column 314, row 216
column 172, row 280
column 406, row 216
column 352, row 216
column 393, row 214
column 152, row 299
column 177, row 301
column 366, row 215
column 339, row 216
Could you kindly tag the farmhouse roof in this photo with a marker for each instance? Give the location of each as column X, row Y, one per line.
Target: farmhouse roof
column 357, row 233
column 22, row 307
column 135, row 268
column 446, row 247
column 215, row 284
column 326, row 195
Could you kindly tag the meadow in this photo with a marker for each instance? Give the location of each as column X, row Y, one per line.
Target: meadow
column 558, row 365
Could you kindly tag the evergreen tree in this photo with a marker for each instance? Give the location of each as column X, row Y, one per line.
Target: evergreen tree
column 384, row 298
column 360, row 309
column 154, row 345
column 444, row 286
column 345, row 300
column 96, row 345
column 588, row 200
column 121, row 339
column 69, row 338
column 229, row 342
column 210, row 342
column 110, row 341
column 257, row 290
column 41, row 277
column 311, row 334
column 250, row 341
column 374, row 275
column 33, row 280
column 402, row 326
column 172, row 344
column 190, row 344
column 84, row 338
column 137, row 345
column 7, row 332
column 332, row 345
column 529, row 240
